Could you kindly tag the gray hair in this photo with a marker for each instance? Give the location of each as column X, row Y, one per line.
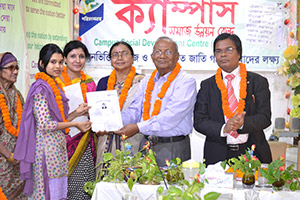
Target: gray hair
column 165, row 38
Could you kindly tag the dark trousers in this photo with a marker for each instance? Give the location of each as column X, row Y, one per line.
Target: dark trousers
column 171, row 150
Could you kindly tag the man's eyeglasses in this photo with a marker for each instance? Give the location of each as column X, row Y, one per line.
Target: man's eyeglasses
column 12, row 67
column 228, row 50
column 159, row 53
column 123, row 54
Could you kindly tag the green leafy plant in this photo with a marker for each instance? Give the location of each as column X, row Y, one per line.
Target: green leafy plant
column 121, row 167
column 185, row 190
column 278, row 172
column 174, row 171
column 247, row 163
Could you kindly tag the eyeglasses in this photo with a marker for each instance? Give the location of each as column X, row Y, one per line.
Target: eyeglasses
column 12, row 67
column 228, row 50
column 159, row 53
column 123, row 54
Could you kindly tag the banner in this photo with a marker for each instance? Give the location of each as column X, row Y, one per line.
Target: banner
column 26, row 26
column 12, row 37
column 46, row 22
column 192, row 24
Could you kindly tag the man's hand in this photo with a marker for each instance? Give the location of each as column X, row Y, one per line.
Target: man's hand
column 235, row 122
column 129, row 130
column 101, row 133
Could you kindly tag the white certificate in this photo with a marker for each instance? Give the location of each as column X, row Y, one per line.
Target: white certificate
column 105, row 111
column 74, row 94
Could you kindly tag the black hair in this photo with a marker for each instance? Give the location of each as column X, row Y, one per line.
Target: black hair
column 75, row 44
column 232, row 37
column 117, row 44
column 45, row 54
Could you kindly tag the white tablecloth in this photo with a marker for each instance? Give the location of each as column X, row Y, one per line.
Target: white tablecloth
column 114, row 191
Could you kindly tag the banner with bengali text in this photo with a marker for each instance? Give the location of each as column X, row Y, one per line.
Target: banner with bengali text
column 193, row 24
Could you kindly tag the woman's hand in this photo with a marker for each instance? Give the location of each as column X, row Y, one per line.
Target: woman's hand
column 84, row 126
column 83, row 109
column 12, row 160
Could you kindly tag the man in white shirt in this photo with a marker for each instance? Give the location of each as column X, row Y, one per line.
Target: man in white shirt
column 163, row 106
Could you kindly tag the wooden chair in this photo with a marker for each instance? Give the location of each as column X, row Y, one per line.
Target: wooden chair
column 277, row 149
column 298, row 157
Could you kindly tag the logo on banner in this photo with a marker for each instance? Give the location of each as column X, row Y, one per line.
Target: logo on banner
column 91, row 13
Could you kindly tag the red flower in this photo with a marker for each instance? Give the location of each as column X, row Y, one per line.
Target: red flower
column 148, row 158
column 281, row 168
column 123, row 137
column 147, row 145
column 254, row 158
column 167, row 162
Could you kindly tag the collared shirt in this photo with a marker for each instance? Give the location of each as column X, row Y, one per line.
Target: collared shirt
column 236, row 87
column 175, row 116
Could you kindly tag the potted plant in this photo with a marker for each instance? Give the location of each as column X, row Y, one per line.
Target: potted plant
column 279, row 176
column 248, row 164
column 186, row 190
column 121, row 167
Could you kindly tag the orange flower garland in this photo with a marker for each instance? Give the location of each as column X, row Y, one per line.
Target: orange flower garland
column 127, row 84
column 2, row 195
column 6, row 115
column 160, row 95
column 223, row 89
column 53, row 84
column 68, row 81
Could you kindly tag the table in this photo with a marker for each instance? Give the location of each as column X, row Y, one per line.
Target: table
column 113, row 191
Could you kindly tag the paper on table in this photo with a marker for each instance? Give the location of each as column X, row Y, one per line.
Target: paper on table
column 105, row 111
column 74, row 94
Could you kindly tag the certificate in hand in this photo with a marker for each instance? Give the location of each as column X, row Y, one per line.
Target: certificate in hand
column 74, row 94
column 105, row 113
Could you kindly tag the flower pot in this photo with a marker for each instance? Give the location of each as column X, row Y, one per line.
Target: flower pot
column 248, row 180
column 174, row 176
column 278, row 185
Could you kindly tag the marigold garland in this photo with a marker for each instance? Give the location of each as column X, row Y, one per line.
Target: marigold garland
column 160, row 95
column 53, row 84
column 223, row 89
column 6, row 115
column 127, row 84
column 2, row 195
column 68, row 81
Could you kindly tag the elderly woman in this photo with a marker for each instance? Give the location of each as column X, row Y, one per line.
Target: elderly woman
column 11, row 103
column 81, row 147
column 125, row 80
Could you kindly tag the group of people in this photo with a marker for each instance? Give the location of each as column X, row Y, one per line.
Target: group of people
column 39, row 159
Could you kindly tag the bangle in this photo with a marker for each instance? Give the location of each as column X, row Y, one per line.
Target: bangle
column 11, row 158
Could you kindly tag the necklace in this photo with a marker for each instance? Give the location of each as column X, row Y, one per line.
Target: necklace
column 160, row 95
column 6, row 115
column 53, row 84
column 223, row 89
column 68, row 81
column 127, row 84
